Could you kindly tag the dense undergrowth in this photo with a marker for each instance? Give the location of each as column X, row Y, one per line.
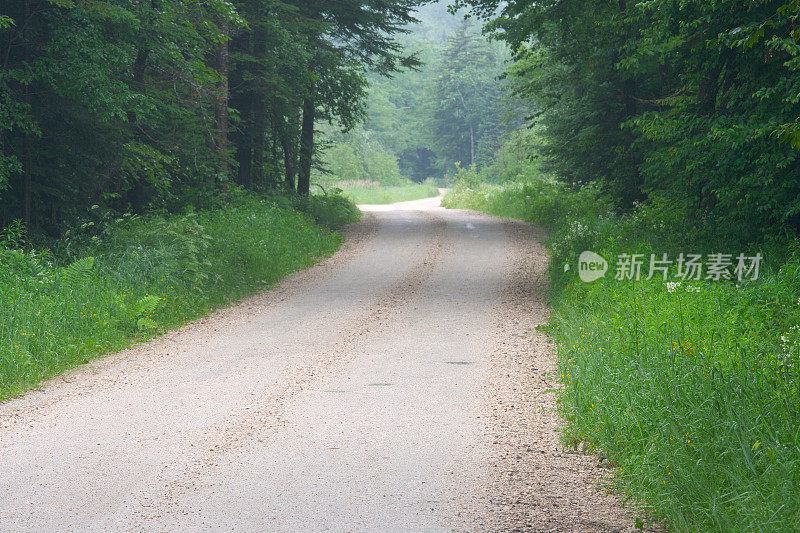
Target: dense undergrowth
column 370, row 192
column 692, row 389
column 103, row 289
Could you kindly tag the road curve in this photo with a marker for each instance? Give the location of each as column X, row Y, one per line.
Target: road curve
column 400, row 385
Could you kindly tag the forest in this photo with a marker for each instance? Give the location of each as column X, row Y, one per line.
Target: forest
column 159, row 158
column 422, row 123
column 135, row 106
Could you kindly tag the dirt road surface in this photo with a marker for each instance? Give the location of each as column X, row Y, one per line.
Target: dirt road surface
column 400, row 385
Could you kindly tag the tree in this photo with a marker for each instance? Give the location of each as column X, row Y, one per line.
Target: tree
column 133, row 105
column 690, row 101
column 351, row 38
column 105, row 104
column 466, row 97
column 302, row 62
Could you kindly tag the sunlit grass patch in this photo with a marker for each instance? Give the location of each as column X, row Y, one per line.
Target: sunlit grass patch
column 374, row 193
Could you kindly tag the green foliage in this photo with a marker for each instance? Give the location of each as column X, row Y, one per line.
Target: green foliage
column 692, row 101
column 104, row 103
column 330, row 209
column 13, row 235
column 73, row 275
column 465, row 114
column 517, row 160
column 357, row 156
column 160, row 105
column 419, row 115
column 375, row 193
column 141, row 275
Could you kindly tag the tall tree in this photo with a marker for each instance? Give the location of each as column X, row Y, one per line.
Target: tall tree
column 104, row 103
column 351, row 38
column 466, row 97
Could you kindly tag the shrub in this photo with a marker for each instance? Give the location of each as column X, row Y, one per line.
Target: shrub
column 331, row 209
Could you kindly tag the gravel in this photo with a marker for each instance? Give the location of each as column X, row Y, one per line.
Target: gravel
column 400, row 385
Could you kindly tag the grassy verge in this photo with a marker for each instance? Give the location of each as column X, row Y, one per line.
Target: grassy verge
column 363, row 192
column 691, row 390
column 140, row 276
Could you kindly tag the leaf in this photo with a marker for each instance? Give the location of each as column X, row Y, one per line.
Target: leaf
column 146, row 323
column 77, row 272
column 144, row 306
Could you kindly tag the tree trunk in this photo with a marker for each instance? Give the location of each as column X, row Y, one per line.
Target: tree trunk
column 471, row 130
column 244, row 148
column 221, row 112
column 274, row 149
column 139, row 66
column 471, row 145
column 306, row 147
column 27, row 173
column 629, row 92
column 259, row 106
column 709, row 89
column 27, row 177
column 289, row 162
column 259, row 137
column 290, row 151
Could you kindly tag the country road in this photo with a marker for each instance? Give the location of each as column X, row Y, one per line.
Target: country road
column 400, row 385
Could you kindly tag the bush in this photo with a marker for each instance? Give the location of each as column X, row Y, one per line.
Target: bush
column 331, row 209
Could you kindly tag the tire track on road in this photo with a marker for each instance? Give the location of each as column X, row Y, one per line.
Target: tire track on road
column 257, row 424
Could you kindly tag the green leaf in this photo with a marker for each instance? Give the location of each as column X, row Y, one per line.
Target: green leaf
column 146, row 323
column 77, row 272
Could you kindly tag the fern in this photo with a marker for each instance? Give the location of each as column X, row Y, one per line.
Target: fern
column 137, row 312
column 144, row 306
column 146, row 323
column 77, row 272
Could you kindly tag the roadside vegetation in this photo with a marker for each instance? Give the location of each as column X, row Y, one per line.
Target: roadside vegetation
column 118, row 281
column 156, row 159
column 659, row 129
column 375, row 193
column 692, row 390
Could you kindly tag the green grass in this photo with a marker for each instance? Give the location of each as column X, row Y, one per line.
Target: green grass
column 140, row 276
column 692, row 392
column 362, row 192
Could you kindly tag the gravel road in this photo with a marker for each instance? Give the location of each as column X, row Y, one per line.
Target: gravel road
column 400, row 385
